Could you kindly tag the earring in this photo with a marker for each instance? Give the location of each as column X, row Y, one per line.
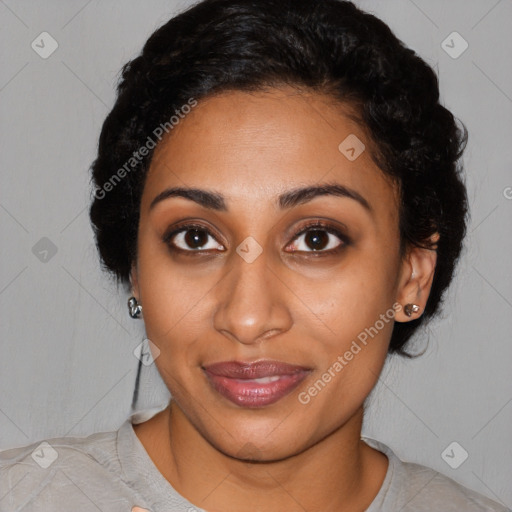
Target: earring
column 409, row 309
column 134, row 308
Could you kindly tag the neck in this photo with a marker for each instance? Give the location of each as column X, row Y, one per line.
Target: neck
column 339, row 472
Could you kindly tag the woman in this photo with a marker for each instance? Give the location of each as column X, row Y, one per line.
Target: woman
column 278, row 186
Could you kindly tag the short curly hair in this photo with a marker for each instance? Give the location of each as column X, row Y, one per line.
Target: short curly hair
column 327, row 46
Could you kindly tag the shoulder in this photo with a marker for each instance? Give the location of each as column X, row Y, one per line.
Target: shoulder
column 69, row 468
column 427, row 488
column 412, row 487
column 59, row 451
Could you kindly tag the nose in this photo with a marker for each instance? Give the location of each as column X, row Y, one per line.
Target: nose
column 251, row 302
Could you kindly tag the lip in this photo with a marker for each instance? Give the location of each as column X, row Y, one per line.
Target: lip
column 254, row 384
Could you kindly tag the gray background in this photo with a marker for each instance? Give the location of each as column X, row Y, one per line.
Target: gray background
column 67, row 365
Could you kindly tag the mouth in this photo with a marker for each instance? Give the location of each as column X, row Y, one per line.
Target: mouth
column 255, row 384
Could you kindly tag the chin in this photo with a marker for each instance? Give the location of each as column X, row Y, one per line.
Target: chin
column 262, row 439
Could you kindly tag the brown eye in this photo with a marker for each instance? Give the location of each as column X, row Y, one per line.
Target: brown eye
column 319, row 238
column 192, row 239
column 195, row 238
column 316, row 239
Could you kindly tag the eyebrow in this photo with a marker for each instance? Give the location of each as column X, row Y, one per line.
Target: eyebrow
column 215, row 201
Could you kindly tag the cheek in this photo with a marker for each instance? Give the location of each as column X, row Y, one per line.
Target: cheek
column 353, row 297
column 349, row 355
column 170, row 299
column 356, row 312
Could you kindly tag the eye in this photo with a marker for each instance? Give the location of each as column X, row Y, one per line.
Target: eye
column 192, row 238
column 319, row 238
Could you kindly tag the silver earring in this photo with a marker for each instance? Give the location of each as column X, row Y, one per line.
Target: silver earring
column 409, row 309
column 134, row 308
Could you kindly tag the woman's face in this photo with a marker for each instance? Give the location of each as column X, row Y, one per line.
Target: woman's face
column 252, row 282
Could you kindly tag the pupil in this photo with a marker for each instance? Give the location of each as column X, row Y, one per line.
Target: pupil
column 197, row 239
column 317, row 238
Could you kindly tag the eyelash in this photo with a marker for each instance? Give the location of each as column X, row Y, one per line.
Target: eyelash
column 311, row 226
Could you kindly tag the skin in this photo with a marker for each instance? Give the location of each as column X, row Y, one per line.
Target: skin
column 290, row 304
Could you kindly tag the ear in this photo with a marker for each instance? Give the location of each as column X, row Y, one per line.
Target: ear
column 415, row 281
column 134, row 281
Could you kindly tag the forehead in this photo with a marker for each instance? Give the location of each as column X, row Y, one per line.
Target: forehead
column 254, row 146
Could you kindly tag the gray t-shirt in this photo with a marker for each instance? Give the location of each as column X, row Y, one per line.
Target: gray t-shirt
column 111, row 471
